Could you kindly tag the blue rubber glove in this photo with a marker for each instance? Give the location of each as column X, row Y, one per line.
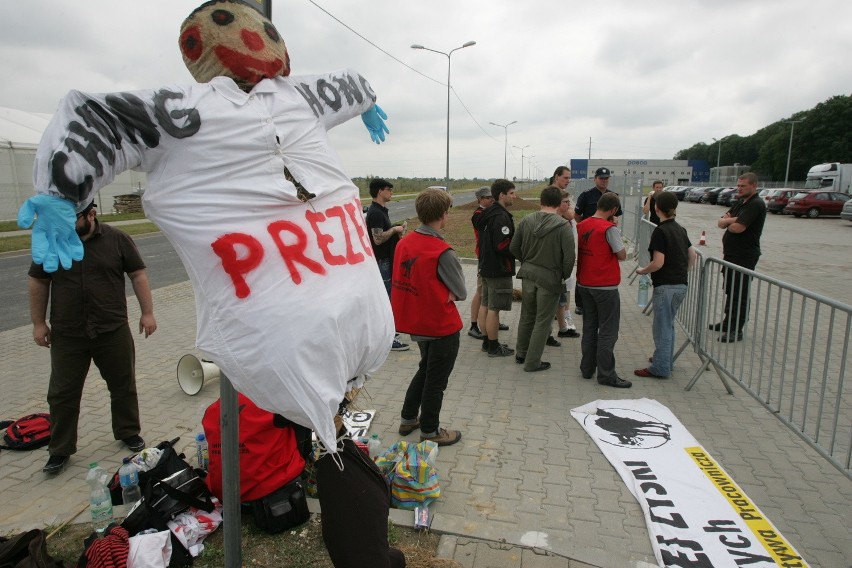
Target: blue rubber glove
column 374, row 120
column 54, row 239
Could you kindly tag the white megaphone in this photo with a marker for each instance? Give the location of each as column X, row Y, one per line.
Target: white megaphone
column 193, row 372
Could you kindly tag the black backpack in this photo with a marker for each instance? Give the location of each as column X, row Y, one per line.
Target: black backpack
column 27, row 433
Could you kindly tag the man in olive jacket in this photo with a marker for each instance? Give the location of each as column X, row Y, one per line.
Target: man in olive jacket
column 544, row 244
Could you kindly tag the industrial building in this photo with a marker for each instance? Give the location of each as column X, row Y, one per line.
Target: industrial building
column 644, row 172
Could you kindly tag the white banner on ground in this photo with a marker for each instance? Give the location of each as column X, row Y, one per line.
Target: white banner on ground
column 697, row 516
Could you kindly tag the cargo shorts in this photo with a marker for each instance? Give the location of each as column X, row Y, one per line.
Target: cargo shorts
column 497, row 293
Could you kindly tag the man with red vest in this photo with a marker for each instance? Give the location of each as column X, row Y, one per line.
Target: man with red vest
column 599, row 250
column 427, row 280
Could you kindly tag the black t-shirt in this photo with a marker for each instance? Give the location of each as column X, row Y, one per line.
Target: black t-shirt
column 744, row 248
column 652, row 211
column 378, row 218
column 670, row 239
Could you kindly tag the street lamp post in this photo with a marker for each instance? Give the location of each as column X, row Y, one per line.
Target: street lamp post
column 467, row 44
column 505, row 128
column 521, row 148
column 792, row 124
column 718, row 158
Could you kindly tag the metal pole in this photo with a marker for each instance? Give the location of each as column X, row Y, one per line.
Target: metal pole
column 718, row 157
column 505, row 128
column 230, row 425
column 792, row 124
column 449, row 88
column 521, row 148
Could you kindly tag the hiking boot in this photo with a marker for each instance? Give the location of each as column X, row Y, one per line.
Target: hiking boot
column 442, row 437
column 502, row 350
column 407, row 428
column 552, row 342
column 134, row 443
column 399, row 346
column 475, row 333
column 55, row 464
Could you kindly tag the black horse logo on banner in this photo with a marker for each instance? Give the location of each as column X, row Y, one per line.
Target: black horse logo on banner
column 629, row 428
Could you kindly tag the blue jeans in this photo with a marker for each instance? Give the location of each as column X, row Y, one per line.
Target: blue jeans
column 386, row 270
column 667, row 299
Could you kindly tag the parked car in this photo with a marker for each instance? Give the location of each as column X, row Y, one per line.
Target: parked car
column 846, row 212
column 694, row 194
column 441, row 187
column 713, row 194
column 726, row 196
column 778, row 198
column 678, row 190
column 816, row 203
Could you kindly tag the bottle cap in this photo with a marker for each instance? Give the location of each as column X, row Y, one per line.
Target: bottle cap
column 375, row 436
column 200, row 438
column 125, row 460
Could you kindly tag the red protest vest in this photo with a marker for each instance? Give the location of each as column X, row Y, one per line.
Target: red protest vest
column 269, row 455
column 419, row 299
column 597, row 265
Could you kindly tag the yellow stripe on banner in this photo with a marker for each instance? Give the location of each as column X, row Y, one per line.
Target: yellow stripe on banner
column 781, row 550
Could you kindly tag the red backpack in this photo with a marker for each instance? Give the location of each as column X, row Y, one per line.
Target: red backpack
column 27, row 433
column 269, row 455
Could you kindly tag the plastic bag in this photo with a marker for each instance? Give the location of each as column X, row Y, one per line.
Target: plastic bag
column 153, row 550
column 410, row 468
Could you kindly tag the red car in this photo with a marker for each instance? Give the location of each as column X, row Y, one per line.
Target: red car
column 777, row 199
column 815, row 203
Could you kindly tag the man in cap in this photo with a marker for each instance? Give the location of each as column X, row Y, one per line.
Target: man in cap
column 88, row 322
column 587, row 205
column 484, row 199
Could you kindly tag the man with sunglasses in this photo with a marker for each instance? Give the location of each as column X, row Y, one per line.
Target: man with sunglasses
column 88, row 323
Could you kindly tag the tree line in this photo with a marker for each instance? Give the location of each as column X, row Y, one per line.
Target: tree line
column 823, row 135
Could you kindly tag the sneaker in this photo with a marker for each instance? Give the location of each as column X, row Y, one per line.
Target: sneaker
column 543, row 366
column 504, row 327
column 443, row 437
column 406, row 429
column 578, row 311
column 646, row 373
column 502, row 350
column 134, row 443
column 520, row 360
column 399, row 346
column 475, row 333
column 568, row 333
column 731, row 337
column 552, row 342
column 55, row 464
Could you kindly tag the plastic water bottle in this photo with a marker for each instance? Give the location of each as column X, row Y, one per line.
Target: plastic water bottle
column 100, row 501
column 201, row 451
column 644, row 287
column 128, row 476
column 374, row 446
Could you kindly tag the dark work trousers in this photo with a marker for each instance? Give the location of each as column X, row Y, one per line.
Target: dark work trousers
column 601, row 319
column 355, row 503
column 115, row 356
column 426, row 390
column 737, row 286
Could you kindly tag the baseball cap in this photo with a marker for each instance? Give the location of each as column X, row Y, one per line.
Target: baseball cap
column 483, row 192
column 602, row 173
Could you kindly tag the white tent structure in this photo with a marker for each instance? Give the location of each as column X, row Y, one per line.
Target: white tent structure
column 20, row 132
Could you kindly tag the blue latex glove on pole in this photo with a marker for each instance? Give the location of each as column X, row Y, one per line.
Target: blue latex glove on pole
column 374, row 120
column 54, row 238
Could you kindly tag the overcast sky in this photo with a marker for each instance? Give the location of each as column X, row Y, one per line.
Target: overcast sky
column 641, row 79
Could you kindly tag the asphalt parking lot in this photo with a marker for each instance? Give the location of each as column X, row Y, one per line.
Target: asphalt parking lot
column 814, row 254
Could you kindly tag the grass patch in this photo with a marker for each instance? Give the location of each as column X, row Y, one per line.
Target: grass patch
column 22, row 242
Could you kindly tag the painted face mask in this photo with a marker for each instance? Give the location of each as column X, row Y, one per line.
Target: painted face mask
column 225, row 38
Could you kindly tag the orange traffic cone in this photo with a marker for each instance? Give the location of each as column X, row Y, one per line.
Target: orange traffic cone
column 703, row 240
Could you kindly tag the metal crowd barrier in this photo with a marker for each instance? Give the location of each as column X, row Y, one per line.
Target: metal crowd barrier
column 793, row 357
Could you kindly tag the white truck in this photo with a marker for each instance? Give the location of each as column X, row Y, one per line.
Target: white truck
column 832, row 176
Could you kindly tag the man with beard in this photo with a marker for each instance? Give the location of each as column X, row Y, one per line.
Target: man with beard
column 88, row 322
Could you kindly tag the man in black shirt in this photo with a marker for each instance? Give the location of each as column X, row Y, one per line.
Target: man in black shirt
column 383, row 237
column 743, row 225
column 648, row 208
column 671, row 256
